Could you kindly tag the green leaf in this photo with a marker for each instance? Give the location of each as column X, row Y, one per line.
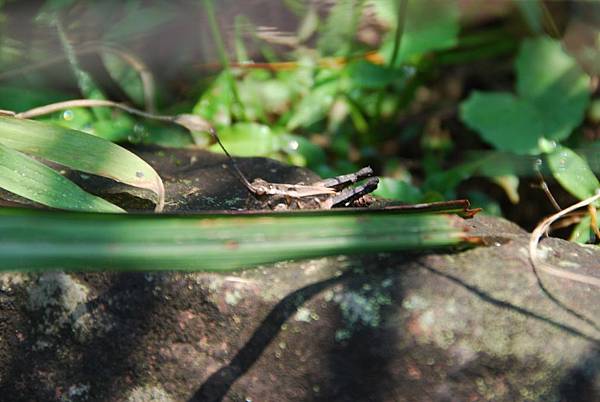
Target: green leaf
column 398, row 190
column 80, row 151
column 582, row 233
column 248, row 139
column 216, row 102
column 430, row 25
column 554, row 83
column 573, row 173
column 127, row 77
column 503, row 120
column 35, row 181
column 216, row 242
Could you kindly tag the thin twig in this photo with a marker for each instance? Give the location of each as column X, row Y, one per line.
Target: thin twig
column 544, row 186
column 58, row 106
column 594, row 220
column 539, row 231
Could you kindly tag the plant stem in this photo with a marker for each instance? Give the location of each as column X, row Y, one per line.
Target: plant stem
column 218, row 39
column 400, row 24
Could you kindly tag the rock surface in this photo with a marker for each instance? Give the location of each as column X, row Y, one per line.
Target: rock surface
column 458, row 326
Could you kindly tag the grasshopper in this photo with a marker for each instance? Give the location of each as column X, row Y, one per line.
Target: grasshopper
column 325, row 194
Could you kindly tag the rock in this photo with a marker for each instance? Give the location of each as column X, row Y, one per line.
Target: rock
column 147, row 394
column 447, row 326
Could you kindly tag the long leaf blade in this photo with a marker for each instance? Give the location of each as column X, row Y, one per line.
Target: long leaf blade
column 210, row 242
column 80, row 151
column 35, row 181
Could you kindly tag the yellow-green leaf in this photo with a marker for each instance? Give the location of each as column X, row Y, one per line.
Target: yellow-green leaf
column 80, row 151
column 35, row 181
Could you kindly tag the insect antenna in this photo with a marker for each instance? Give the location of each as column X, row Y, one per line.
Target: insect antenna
column 236, row 168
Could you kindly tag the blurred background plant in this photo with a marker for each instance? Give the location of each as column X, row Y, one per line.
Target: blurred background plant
column 435, row 94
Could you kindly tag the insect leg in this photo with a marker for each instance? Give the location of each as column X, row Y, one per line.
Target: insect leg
column 349, row 195
column 347, row 179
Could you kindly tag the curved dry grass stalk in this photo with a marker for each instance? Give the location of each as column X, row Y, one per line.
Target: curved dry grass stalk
column 58, row 106
column 541, row 229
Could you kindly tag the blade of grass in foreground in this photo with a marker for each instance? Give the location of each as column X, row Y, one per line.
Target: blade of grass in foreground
column 35, row 181
column 39, row 240
column 80, row 151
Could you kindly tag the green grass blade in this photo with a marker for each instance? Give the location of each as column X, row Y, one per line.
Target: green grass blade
column 80, row 151
column 37, row 240
column 35, row 181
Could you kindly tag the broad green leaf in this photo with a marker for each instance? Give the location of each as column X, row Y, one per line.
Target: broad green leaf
column 430, row 25
column 503, row 120
column 248, row 139
column 398, row 190
column 553, row 82
column 35, row 181
column 35, row 240
column 80, row 151
column 573, row 173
